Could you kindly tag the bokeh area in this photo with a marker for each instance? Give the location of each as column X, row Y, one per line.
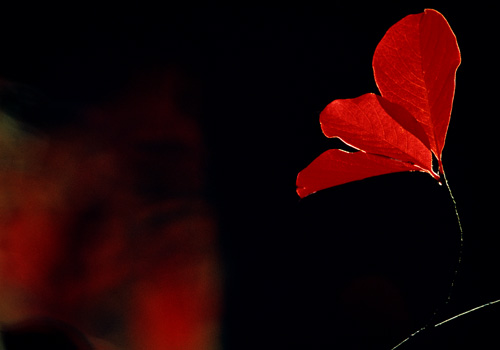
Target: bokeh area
column 147, row 184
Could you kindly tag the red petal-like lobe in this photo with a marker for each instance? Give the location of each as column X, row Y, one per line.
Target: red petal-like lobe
column 365, row 123
column 414, row 66
column 336, row 167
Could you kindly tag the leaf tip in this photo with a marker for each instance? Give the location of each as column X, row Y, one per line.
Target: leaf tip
column 302, row 192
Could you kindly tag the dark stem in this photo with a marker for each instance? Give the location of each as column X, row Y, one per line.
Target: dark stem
column 453, row 281
column 460, row 251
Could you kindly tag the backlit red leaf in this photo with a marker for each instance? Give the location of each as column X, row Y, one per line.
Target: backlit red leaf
column 336, row 167
column 364, row 123
column 414, row 66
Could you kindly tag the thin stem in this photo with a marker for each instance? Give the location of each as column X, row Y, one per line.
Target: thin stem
column 460, row 250
column 447, row 320
column 453, row 281
column 409, row 337
column 465, row 313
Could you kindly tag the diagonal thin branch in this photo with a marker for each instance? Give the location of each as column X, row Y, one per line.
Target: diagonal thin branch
column 446, row 321
column 466, row 312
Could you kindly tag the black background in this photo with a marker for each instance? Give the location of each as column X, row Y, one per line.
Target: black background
column 360, row 266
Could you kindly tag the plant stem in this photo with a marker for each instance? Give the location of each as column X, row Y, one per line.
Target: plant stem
column 461, row 247
column 466, row 312
column 447, row 320
column 453, row 281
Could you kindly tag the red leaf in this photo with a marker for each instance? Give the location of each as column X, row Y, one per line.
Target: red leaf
column 414, row 66
column 336, row 167
column 364, row 123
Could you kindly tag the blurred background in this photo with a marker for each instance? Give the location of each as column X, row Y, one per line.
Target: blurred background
column 149, row 159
